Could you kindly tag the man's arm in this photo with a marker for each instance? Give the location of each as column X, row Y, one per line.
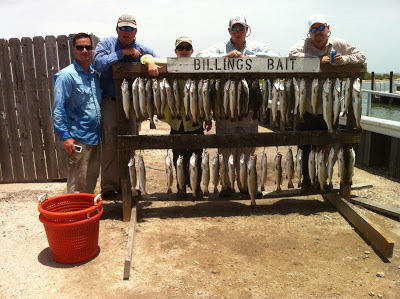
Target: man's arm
column 105, row 56
column 218, row 50
column 62, row 91
column 351, row 54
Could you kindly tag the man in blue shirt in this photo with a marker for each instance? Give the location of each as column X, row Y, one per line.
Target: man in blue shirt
column 110, row 50
column 77, row 117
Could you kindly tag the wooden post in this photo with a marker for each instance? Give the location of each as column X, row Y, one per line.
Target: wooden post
column 391, row 82
column 128, row 257
column 126, row 199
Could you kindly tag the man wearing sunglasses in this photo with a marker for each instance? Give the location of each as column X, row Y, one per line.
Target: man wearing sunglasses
column 237, row 46
column 319, row 43
column 124, row 48
column 77, row 117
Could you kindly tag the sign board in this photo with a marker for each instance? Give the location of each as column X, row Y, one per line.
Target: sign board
column 243, row 65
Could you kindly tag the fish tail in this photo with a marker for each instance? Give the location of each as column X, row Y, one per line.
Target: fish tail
column 206, row 192
column 152, row 125
column 278, row 189
column 262, row 188
column 169, row 190
column 253, row 202
column 300, row 184
column 290, row 185
column 134, row 191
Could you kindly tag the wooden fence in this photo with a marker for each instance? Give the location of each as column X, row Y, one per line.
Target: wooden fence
column 29, row 149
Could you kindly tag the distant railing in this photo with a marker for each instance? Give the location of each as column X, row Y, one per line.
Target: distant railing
column 29, row 151
column 377, row 93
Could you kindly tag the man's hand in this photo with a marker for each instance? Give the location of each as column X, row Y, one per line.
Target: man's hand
column 131, row 52
column 153, row 68
column 338, row 59
column 234, row 53
column 207, row 125
column 68, row 145
column 325, row 59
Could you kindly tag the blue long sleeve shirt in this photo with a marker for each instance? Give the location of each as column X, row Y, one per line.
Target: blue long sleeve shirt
column 109, row 52
column 76, row 109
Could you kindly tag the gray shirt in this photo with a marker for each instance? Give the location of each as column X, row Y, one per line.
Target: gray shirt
column 251, row 48
column 305, row 48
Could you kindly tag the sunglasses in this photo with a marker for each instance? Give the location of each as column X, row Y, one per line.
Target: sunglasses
column 186, row 48
column 80, row 48
column 320, row 28
column 124, row 28
column 241, row 29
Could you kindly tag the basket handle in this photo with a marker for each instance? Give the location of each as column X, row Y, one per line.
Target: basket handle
column 88, row 213
column 42, row 198
column 97, row 199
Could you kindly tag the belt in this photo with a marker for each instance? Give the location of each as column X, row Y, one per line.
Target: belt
column 108, row 98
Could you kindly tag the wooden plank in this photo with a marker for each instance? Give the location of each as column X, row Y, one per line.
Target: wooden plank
column 243, row 65
column 394, row 159
column 239, row 196
column 126, row 200
column 131, row 237
column 52, row 69
column 33, row 108
column 63, row 51
column 376, row 206
column 44, row 106
column 70, row 40
column 10, row 112
column 124, row 70
column 23, row 113
column 5, row 161
column 128, row 142
column 372, row 233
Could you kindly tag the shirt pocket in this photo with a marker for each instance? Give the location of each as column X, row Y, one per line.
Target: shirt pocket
column 82, row 96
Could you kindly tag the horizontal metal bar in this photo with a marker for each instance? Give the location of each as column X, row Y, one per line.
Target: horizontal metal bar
column 381, row 93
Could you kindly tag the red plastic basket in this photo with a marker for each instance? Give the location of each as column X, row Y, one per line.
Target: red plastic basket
column 71, row 222
column 73, row 242
column 69, row 207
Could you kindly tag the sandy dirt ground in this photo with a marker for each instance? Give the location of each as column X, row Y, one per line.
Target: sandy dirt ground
column 297, row 247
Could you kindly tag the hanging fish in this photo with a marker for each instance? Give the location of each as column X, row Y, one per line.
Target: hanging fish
column 215, row 172
column 314, row 95
column 205, row 172
column 327, row 105
column 186, row 98
column 311, row 167
column 169, row 173
column 163, row 97
column 178, row 98
column 226, row 98
column 142, row 176
column 135, row 98
column 296, row 88
column 125, row 97
column 222, row 172
column 150, row 103
column 264, row 92
column 322, row 170
column 206, row 100
column 275, row 98
column 157, row 98
column 255, row 97
column 337, row 90
column 243, row 173
column 200, row 99
column 264, row 170
column 347, row 96
column 289, row 168
column 194, row 108
column 231, row 171
column 303, row 100
column 278, row 171
column 299, row 166
column 343, row 169
column 232, row 101
column 194, row 175
column 331, row 164
column 170, row 99
column 357, row 102
column 133, row 176
column 142, row 99
column 252, row 178
column 180, row 175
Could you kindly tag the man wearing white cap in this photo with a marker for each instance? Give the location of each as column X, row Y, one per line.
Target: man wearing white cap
column 110, row 50
column 237, row 46
column 319, row 43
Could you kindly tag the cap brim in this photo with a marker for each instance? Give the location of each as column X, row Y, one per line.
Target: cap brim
column 244, row 24
column 126, row 24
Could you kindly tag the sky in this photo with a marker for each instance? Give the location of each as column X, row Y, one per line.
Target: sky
column 370, row 25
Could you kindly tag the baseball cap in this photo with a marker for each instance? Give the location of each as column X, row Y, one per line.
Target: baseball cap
column 126, row 20
column 237, row 19
column 317, row 18
column 183, row 39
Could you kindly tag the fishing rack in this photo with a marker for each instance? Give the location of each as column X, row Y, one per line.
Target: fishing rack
column 239, row 68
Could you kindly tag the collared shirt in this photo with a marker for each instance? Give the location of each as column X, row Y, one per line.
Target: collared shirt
column 76, row 109
column 251, row 48
column 109, row 52
column 305, row 48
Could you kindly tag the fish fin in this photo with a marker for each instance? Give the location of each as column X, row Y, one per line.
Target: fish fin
column 278, row 189
column 290, row 185
column 152, row 126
